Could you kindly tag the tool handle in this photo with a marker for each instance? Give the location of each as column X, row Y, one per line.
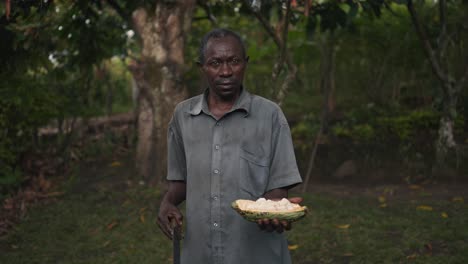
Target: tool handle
column 176, row 237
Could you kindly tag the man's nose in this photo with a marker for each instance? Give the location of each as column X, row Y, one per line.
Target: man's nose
column 225, row 70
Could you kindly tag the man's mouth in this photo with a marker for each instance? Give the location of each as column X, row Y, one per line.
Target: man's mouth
column 226, row 84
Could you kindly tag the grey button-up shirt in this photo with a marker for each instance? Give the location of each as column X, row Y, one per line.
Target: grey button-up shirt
column 242, row 155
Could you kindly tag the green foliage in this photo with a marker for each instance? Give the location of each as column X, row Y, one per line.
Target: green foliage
column 51, row 55
column 359, row 132
column 410, row 125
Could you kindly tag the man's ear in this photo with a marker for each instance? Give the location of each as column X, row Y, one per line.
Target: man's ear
column 247, row 59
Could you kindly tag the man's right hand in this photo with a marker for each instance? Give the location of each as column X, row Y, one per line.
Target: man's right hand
column 169, row 215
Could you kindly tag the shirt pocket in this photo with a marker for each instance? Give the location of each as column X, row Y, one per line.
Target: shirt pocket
column 254, row 170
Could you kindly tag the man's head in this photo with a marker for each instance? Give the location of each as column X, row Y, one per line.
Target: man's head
column 223, row 61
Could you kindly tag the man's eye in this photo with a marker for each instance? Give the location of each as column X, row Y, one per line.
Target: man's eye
column 214, row 63
column 235, row 61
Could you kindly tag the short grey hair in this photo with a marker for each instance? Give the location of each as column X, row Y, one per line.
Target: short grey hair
column 218, row 33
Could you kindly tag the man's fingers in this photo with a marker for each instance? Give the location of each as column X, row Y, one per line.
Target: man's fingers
column 274, row 225
column 178, row 218
column 175, row 219
column 277, row 225
column 296, row 200
column 268, row 225
column 260, row 224
column 275, row 222
column 165, row 228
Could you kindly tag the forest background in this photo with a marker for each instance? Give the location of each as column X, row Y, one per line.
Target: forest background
column 372, row 92
column 375, row 92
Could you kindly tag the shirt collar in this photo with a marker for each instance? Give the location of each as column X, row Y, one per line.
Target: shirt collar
column 242, row 103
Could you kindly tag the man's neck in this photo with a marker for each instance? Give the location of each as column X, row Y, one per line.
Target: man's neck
column 219, row 106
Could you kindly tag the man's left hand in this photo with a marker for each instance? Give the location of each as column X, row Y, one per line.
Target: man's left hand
column 271, row 225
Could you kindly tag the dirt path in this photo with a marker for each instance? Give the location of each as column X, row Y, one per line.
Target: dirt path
column 397, row 192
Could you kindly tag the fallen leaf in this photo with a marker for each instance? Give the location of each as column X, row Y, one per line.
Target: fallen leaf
column 425, row 194
column 116, row 164
column 343, row 226
column 293, row 247
column 142, row 218
column 382, row 199
column 444, row 215
column 458, row 199
column 43, row 183
column 348, row 254
column 112, row 225
column 8, row 204
column 106, row 243
column 428, row 247
column 388, row 190
column 424, row 208
column 143, row 209
column 414, row 187
column 412, row 256
column 383, row 205
column 94, row 231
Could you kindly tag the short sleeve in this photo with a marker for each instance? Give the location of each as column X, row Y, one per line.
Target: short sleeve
column 176, row 165
column 283, row 169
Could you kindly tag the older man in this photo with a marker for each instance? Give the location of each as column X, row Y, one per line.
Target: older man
column 223, row 145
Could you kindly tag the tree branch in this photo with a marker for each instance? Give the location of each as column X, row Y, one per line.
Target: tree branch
column 443, row 16
column 209, row 13
column 462, row 80
column 139, row 17
column 120, row 11
column 428, row 49
column 292, row 69
column 284, row 38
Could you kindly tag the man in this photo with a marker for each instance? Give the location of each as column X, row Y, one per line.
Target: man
column 223, row 145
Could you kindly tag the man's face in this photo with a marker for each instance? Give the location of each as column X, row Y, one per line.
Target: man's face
column 224, row 67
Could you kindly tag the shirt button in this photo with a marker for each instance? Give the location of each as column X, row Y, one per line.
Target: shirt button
column 215, row 224
column 217, row 147
column 216, row 171
column 218, row 123
column 215, row 198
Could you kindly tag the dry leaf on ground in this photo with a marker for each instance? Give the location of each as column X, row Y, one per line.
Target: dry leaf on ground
column 116, row 164
column 293, row 247
column 343, row 226
column 424, row 208
column 382, row 199
column 112, row 225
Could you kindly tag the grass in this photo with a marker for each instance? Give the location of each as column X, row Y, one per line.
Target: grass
column 358, row 230
column 107, row 217
column 97, row 221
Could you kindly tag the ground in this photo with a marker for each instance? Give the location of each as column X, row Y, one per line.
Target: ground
column 107, row 215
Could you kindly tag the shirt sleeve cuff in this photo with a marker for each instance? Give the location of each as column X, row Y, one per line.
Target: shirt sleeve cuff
column 282, row 183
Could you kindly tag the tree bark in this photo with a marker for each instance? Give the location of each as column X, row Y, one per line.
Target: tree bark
column 327, row 85
column 158, row 75
column 450, row 86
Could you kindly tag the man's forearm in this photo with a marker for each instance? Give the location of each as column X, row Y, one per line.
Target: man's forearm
column 276, row 194
column 176, row 193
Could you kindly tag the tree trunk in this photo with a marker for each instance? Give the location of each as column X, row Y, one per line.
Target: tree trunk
column 450, row 86
column 327, row 86
column 445, row 141
column 158, row 76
